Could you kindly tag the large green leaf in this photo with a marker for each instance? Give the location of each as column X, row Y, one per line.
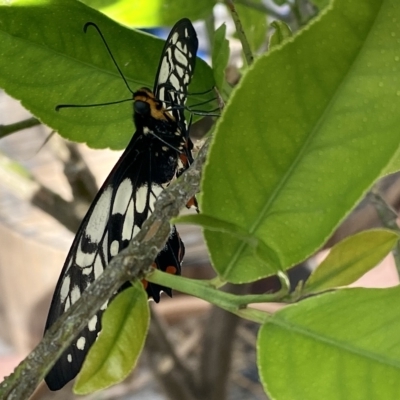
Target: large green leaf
column 115, row 353
column 47, row 59
column 340, row 345
column 146, row 13
column 310, row 127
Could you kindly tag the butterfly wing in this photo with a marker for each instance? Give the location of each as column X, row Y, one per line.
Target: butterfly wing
column 176, row 68
column 122, row 205
column 115, row 216
column 173, row 78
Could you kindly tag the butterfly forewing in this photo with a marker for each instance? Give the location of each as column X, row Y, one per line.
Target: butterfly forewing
column 176, row 67
column 152, row 159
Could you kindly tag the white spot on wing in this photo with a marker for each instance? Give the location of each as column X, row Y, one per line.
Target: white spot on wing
column 175, row 37
column 175, row 82
column 82, row 259
column 69, row 358
column 92, row 324
column 180, row 57
column 80, row 343
column 114, row 248
column 136, row 230
column 124, row 193
column 162, row 94
column 179, row 71
column 141, row 198
column 164, row 71
column 98, row 267
column 65, row 288
column 75, row 294
column 104, row 306
column 98, row 220
column 87, row 270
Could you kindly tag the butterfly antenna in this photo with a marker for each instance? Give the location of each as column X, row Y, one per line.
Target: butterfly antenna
column 211, row 113
column 166, row 143
column 200, row 93
column 60, row 106
column 108, row 50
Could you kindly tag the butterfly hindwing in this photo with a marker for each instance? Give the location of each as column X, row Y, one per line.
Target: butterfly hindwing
column 126, row 199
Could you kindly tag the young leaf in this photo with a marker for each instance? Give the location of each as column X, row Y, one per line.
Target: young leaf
column 339, row 345
column 350, row 259
column 47, row 60
column 308, row 130
column 281, row 32
column 115, row 353
column 220, row 55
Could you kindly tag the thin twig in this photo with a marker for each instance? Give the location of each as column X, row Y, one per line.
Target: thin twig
column 18, row 126
column 130, row 264
column 240, row 32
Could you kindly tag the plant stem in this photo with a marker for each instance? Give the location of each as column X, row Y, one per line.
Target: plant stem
column 18, row 126
column 240, row 32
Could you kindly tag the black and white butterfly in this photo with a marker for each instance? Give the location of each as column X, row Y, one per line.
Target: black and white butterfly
column 159, row 151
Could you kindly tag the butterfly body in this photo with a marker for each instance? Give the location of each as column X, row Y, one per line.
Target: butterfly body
column 159, row 151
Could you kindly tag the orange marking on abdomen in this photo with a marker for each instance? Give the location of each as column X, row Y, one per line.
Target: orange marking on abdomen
column 145, row 283
column 191, row 203
column 171, row 270
column 184, row 160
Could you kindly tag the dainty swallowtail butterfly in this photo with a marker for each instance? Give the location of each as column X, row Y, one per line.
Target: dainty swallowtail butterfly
column 159, row 151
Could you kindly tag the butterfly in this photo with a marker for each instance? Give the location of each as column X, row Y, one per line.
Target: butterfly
column 159, row 151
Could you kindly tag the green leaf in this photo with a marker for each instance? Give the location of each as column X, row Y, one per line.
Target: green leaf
column 308, row 130
column 215, row 224
column 281, row 32
column 258, row 249
column 148, row 13
column 340, row 345
column 47, row 60
column 350, row 259
column 115, row 353
column 220, row 55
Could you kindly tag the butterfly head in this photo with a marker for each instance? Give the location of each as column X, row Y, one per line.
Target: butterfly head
column 146, row 105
